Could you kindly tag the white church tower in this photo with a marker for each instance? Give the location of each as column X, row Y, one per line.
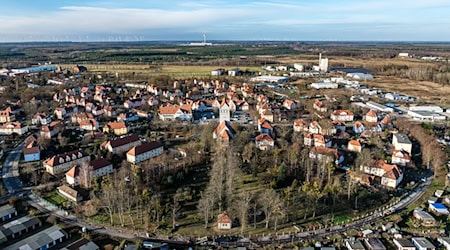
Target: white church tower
column 224, row 112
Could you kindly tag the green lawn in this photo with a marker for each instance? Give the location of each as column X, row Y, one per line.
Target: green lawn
column 55, row 198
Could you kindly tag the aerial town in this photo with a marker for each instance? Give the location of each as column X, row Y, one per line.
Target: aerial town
column 304, row 155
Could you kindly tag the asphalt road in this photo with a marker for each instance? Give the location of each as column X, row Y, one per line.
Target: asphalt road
column 10, row 171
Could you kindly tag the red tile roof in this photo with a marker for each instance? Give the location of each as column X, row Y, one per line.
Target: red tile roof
column 146, row 147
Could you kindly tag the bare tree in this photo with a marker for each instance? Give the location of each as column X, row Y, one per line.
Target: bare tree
column 243, row 205
column 271, row 203
column 205, row 206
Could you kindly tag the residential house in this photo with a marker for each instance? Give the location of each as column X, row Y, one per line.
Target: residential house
column 7, row 212
column 223, row 221
column 358, row 127
column 404, row 244
column 89, row 125
column 268, row 115
column 391, row 175
column 288, row 104
column 374, row 244
column 401, row 158
column 224, row 132
column 108, row 111
column 424, row 217
column 127, row 117
column 78, row 117
column 354, row 146
column 96, row 168
column 423, row 243
column 354, row 245
column 7, row 115
column 242, row 105
column 299, row 125
column 402, row 142
column 326, row 155
column 319, row 106
column 122, row 144
column 134, row 103
column 174, row 112
column 315, row 128
column 371, row 116
column 342, row 115
column 79, row 69
column 144, row 152
column 438, row 208
column 63, row 162
column 264, row 142
column 118, row 128
column 49, row 131
column 31, row 153
column 60, row 113
column 317, row 140
column 41, row 119
column 44, row 239
column 264, row 126
column 10, row 128
column 69, row 193
column 98, row 111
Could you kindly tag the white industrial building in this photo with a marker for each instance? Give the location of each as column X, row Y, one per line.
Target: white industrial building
column 426, row 116
column 324, row 85
column 379, row 107
column 305, row 74
column 435, row 109
column 270, row 79
column 360, row 76
column 299, row 66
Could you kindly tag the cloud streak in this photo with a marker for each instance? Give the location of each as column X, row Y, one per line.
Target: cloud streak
column 234, row 19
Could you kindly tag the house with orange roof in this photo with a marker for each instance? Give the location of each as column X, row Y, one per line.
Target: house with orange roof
column 391, row 175
column 134, row 103
column 63, row 162
column 108, row 111
column 51, row 130
column 342, row 115
column 118, row 128
column 89, row 125
column 319, row 106
column 60, row 113
column 7, row 115
column 264, row 142
column 10, row 128
column 299, row 125
column 224, row 132
column 358, row 127
column 264, row 126
column 78, row 117
column 121, row 144
column 314, row 128
column 174, row 112
column 289, row 104
column 223, row 221
column 268, row 115
column 322, row 141
column 144, row 152
column 96, row 168
column 41, row 119
column 371, row 116
column 401, row 158
column 326, row 155
column 354, row 146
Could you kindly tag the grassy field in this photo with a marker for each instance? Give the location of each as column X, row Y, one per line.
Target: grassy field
column 154, row 70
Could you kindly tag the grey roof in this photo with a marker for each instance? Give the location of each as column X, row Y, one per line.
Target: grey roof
column 39, row 239
column 404, row 242
column 82, row 244
column 354, row 244
column 402, row 138
column 19, row 225
column 375, row 244
column 7, row 210
column 423, row 242
column 424, row 215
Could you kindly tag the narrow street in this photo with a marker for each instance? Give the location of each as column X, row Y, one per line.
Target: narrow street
column 10, row 171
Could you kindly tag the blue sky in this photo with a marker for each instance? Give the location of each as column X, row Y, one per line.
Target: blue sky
column 299, row 20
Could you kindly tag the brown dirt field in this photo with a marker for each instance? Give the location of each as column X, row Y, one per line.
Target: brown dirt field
column 426, row 91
